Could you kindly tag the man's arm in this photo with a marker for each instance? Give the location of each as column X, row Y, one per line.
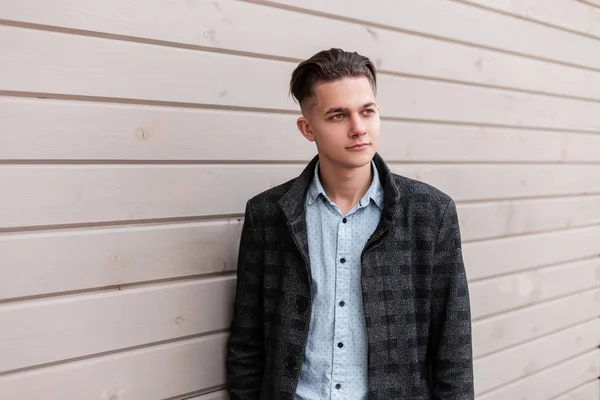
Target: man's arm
column 245, row 348
column 452, row 356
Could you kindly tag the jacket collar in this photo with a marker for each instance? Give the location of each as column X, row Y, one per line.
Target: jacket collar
column 292, row 202
column 374, row 192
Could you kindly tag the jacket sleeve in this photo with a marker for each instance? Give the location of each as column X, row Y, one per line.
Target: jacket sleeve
column 245, row 347
column 450, row 336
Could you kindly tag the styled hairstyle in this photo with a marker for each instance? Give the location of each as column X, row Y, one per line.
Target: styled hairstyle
column 329, row 66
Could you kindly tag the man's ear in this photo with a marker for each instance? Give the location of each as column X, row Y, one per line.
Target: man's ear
column 305, row 129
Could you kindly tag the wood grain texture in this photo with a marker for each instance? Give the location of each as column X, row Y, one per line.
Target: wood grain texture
column 567, row 14
column 522, row 361
column 501, row 294
column 526, row 216
column 156, row 372
column 55, row 261
column 515, row 327
column 588, row 391
column 220, row 79
column 503, row 256
column 74, row 130
column 553, row 381
column 457, row 22
column 46, row 331
column 42, row 263
column 239, row 26
column 36, row 195
column 593, row 3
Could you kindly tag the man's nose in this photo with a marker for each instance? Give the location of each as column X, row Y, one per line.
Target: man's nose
column 357, row 126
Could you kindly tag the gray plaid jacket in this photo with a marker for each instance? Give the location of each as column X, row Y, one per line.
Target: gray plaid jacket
column 414, row 290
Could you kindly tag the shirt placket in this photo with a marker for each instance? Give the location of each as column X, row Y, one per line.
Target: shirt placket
column 341, row 324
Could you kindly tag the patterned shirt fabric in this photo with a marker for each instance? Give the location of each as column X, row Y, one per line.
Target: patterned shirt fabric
column 335, row 361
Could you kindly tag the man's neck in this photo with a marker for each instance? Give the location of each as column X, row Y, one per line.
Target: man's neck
column 345, row 187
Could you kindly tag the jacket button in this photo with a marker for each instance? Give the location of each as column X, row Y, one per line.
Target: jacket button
column 301, row 305
column 290, row 362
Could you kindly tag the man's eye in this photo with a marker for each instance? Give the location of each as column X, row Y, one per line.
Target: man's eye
column 369, row 111
column 337, row 117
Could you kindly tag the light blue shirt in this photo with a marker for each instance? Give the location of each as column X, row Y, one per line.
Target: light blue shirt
column 335, row 360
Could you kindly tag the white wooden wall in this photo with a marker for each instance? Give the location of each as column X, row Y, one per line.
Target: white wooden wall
column 132, row 133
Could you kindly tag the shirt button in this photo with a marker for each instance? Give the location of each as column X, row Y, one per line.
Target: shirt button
column 340, row 345
column 342, row 260
column 342, row 303
column 338, row 386
column 344, row 220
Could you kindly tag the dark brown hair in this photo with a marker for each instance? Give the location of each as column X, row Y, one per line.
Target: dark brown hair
column 328, row 66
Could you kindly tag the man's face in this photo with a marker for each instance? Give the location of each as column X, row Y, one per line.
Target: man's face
column 344, row 122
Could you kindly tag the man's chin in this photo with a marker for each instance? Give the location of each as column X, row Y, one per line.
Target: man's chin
column 358, row 160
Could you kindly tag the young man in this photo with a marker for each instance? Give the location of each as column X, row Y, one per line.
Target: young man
column 351, row 282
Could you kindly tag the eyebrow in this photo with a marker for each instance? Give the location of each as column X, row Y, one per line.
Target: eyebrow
column 343, row 110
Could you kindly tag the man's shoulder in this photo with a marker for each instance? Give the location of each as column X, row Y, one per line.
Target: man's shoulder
column 418, row 191
column 266, row 201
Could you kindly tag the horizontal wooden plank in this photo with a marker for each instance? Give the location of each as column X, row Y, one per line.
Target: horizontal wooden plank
column 77, row 259
column 572, row 15
column 493, row 182
column 240, row 26
column 524, row 360
column 51, row 262
column 63, row 194
column 157, row 372
column 457, row 22
column 107, row 68
column 495, row 295
column 515, row 327
column 218, row 78
column 73, row 194
column 526, row 216
column 590, row 390
column 502, row 256
column 553, row 381
column 46, row 331
column 593, row 3
column 73, row 130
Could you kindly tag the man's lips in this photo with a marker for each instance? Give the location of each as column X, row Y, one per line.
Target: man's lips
column 358, row 146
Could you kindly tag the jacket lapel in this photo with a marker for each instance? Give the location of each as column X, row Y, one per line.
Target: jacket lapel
column 292, row 206
column 391, row 196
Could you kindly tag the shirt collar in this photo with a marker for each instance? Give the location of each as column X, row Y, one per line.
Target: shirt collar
column 375, row 191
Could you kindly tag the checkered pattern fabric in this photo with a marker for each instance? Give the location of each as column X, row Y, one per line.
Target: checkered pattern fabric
column 414, row 289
